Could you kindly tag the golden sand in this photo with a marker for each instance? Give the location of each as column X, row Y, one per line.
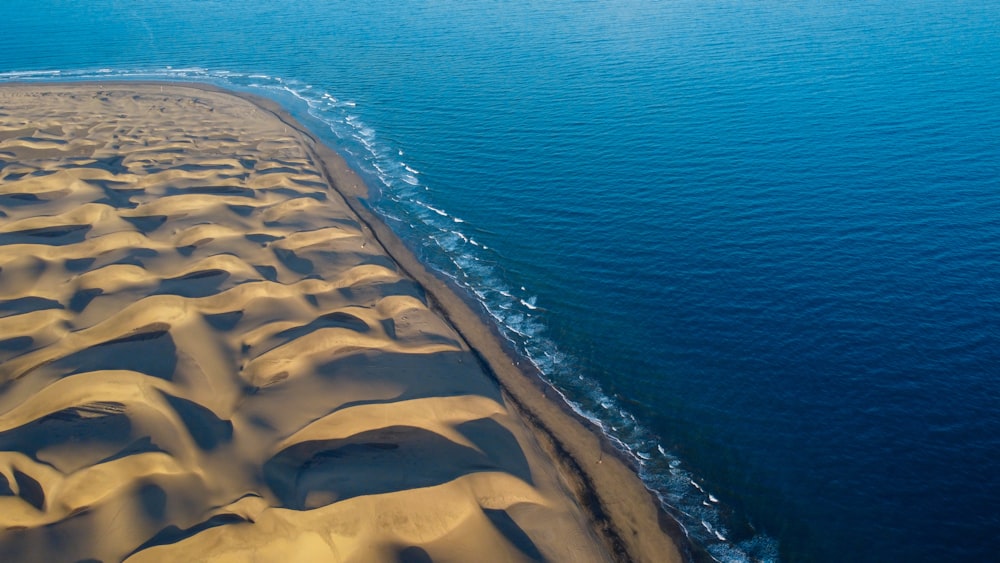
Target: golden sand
column 206, row 352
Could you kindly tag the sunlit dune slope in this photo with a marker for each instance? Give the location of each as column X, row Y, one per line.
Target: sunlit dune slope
column 204, row 354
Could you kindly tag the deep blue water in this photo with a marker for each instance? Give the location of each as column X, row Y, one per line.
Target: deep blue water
column 759, row 241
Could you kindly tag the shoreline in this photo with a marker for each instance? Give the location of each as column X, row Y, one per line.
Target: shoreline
column 551, row 418
column 626, row 515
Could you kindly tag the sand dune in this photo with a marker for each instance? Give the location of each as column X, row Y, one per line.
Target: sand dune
column 204, row 354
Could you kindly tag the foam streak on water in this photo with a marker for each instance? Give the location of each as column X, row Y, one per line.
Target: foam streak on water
column 446, row 243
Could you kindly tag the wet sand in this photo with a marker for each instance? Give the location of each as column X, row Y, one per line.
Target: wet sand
column 211, row 349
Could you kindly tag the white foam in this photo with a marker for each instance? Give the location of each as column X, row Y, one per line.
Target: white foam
column 28, row 73
column 369, row 148
column 440, row 212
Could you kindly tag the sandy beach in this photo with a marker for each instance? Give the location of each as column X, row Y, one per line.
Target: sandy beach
column 210, row 349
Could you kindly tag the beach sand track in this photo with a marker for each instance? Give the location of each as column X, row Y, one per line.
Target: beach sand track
column 205, row 356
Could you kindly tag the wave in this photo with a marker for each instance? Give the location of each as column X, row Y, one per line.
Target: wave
column 446, row 243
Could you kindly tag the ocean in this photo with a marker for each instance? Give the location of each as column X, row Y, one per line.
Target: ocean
column 757, row 242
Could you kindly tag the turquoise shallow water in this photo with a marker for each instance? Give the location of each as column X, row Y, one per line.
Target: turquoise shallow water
column 757, row 242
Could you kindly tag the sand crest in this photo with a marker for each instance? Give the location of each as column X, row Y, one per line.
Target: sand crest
column 206, row 354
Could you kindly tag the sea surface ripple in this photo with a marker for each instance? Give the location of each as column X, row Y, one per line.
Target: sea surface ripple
column 757, row 242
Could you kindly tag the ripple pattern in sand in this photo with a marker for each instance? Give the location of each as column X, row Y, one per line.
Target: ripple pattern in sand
column 204, row 354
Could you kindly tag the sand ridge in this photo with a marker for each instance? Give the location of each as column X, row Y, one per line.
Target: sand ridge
column 205, row 355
